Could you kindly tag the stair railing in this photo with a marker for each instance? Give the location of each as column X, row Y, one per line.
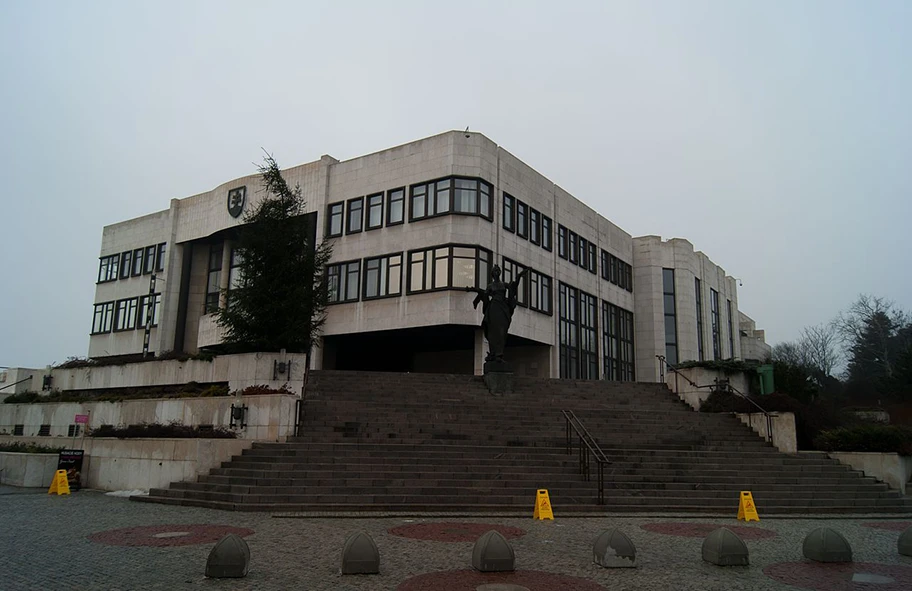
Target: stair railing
column 16, row 383
column 588, row 447
column 718, row 386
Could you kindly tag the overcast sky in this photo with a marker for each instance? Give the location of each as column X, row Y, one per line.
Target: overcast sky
column 775, row 136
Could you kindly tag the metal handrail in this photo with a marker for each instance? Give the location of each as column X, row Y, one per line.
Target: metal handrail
column 587, row 446
column 664, row 363
column 16, row 383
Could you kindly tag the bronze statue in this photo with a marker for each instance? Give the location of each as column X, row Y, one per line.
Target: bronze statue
column 498, row 303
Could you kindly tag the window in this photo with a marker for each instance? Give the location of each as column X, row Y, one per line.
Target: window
column 355, row 217
column 344, row 282
column 160, row 257
column 617, row 343
column 108, row 267
column 126, row 264
column 509, row 213
column 125, row 317
column 578, row 346
column 143, row 318
column 534, row 226
column 395, row 207
column 137, row 262
column 573, row 250
column 73, row 430
column 383, row 276
column 457, row 195
column 235, row 277
column 616, row 271
column 671, row 326
column 44, row 430
column 546, row 232
column 540, row 298
column 522, row 219
column 334, row 219
column 731, row 332
column 592, row 259
column 18, row 429
column 562, row 242
column 715, row 323
column 698, row 294
column 149, row 260
column 583, row 257
column 374, row 211
column 444, row 267
column 214, row 281
column 511, row 271
column 103, row 319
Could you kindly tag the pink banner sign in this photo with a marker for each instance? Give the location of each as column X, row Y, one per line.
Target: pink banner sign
column 82, row 419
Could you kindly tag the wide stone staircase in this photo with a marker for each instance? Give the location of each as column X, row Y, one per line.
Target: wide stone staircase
column 375, row 441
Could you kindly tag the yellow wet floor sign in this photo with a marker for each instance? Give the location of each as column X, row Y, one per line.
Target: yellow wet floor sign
column 60, row 484
column 542, row 506
column 746, row 508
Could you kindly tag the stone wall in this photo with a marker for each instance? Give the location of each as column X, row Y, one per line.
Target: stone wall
column 893, row 469
column 785, row 438
column 702, row 377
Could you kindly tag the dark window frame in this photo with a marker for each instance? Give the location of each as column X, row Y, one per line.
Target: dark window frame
column 547, row 233
column 126, row 264
column 508, row 213
column 432, row 190
column 126, row 312
column 575, row 361
column 715, row 323
column 160, row 256
column 345, row 272
column 592, row 259
column 522, row 219
column 698, row 296
column 211, row 303
column 138, row 263
column 573, row 247
column 429, row 257
column 562, row 241
column 106, row 310
column 348, row 215
column 731, row 332
column 383, row 272
column 330, row 215
column 369, row 209
column 534, row 226
column 108, row 268
column 149, row 260
column 389, row 206
column 510, row 269
column 673, row 314
column 141, row 310
column 618, row 351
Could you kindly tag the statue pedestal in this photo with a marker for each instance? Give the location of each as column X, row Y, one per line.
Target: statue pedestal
column 498, row 377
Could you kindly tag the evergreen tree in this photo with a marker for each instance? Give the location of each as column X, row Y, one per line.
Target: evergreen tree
column 281, row 300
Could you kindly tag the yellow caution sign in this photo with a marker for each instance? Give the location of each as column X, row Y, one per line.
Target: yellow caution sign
column 542, row 506
column 60, row 484
column 747, row 511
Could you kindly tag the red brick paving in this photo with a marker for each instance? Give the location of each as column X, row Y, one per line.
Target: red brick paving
column 820, row 576
column 701, row 530
column 146, row 535
column 889, row 525
column 453, row 532
column 470, row 580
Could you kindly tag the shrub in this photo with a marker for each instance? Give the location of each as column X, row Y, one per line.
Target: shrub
column 728, row 366
column 23, row 397
column 29, row 448
column 157, row 430
column 260, row 389
column 881, row 438
column 190, row 390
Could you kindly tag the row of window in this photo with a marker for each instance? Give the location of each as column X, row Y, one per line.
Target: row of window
column 45, row 430
column 132, row 263
column 440, row 267
column 578, row 345
column 616, row 271
column 527, row 222
column 579, row 251
column 126, row 314
column 441, row 197
column 671, row 325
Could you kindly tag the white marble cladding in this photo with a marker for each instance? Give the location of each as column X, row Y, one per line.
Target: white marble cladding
column 651, row 254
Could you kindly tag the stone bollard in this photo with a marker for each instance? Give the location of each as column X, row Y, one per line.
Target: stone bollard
column 827, row 545
column 230, row 558
column 723, row 547
column 613, row 549
column 904, row 543
column 360, row 555
column 493, row 553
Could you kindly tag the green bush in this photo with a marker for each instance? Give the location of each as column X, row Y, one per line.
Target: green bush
column 881, row 438
column 23, row 398
column 157, row 430
column 728, row 366
column 190, row 390
column 29, row 448
column 261, row 389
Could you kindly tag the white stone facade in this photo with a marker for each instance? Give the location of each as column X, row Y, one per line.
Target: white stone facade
column 753, row 341
column 191, row 225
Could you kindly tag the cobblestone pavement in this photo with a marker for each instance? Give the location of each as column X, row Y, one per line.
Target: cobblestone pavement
column 45, row 544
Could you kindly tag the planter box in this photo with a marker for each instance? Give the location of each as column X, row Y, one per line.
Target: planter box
column 27, row 470
column 891, row 468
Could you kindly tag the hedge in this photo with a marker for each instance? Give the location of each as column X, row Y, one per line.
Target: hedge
column 157, row 430
column 879, row 438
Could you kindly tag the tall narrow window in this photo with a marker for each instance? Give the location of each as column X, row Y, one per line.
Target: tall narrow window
column 334, row 219
column 355, row 215
column 583, row 257
column 374, row 211
column 522, row 219
column 160, row 257
column 574, row 246
column 395, row 207
column 509, row 213
column 698, row 293
column 234, row 273
column 442, row 197
column 731, row 332
column 546, row 233
column 588, row 319
column 150, row 260
column 214, row 279
column 126, row 264
column 671, row 326
column 137, row 262
column 617, row 343
column 604, row 264
column 534, row 226
column 592, row 259
column 578, row 343
column 418, row 205
column 715, row 323
column 562, row 246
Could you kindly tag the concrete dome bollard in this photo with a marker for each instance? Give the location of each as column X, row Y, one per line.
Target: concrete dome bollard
column 827, row 545
column 723, row 547
column 905, row 542
column 360, row 555
column 613, row 549
column 493, row 553
column 230, row 558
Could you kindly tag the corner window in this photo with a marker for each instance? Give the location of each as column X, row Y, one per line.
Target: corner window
column 334, row 219
column 450, row 195
column 448, row 266
column 395, row 207
column 509, row 213
column 355, row 216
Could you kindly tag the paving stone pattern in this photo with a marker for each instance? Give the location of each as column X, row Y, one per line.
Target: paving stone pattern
column 45, row 544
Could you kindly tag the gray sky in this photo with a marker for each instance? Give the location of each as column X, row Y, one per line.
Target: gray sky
column 773, row 135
